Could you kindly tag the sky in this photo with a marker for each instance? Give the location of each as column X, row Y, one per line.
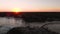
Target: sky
column 30, row 5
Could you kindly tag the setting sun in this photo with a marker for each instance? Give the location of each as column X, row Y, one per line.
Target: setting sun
column 16, row 10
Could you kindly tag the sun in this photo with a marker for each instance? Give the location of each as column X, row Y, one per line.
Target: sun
column 16, row 10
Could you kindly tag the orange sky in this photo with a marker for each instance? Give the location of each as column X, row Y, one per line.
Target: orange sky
column 30, row 5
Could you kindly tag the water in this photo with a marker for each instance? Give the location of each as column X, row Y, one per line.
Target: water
column 7, row 24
